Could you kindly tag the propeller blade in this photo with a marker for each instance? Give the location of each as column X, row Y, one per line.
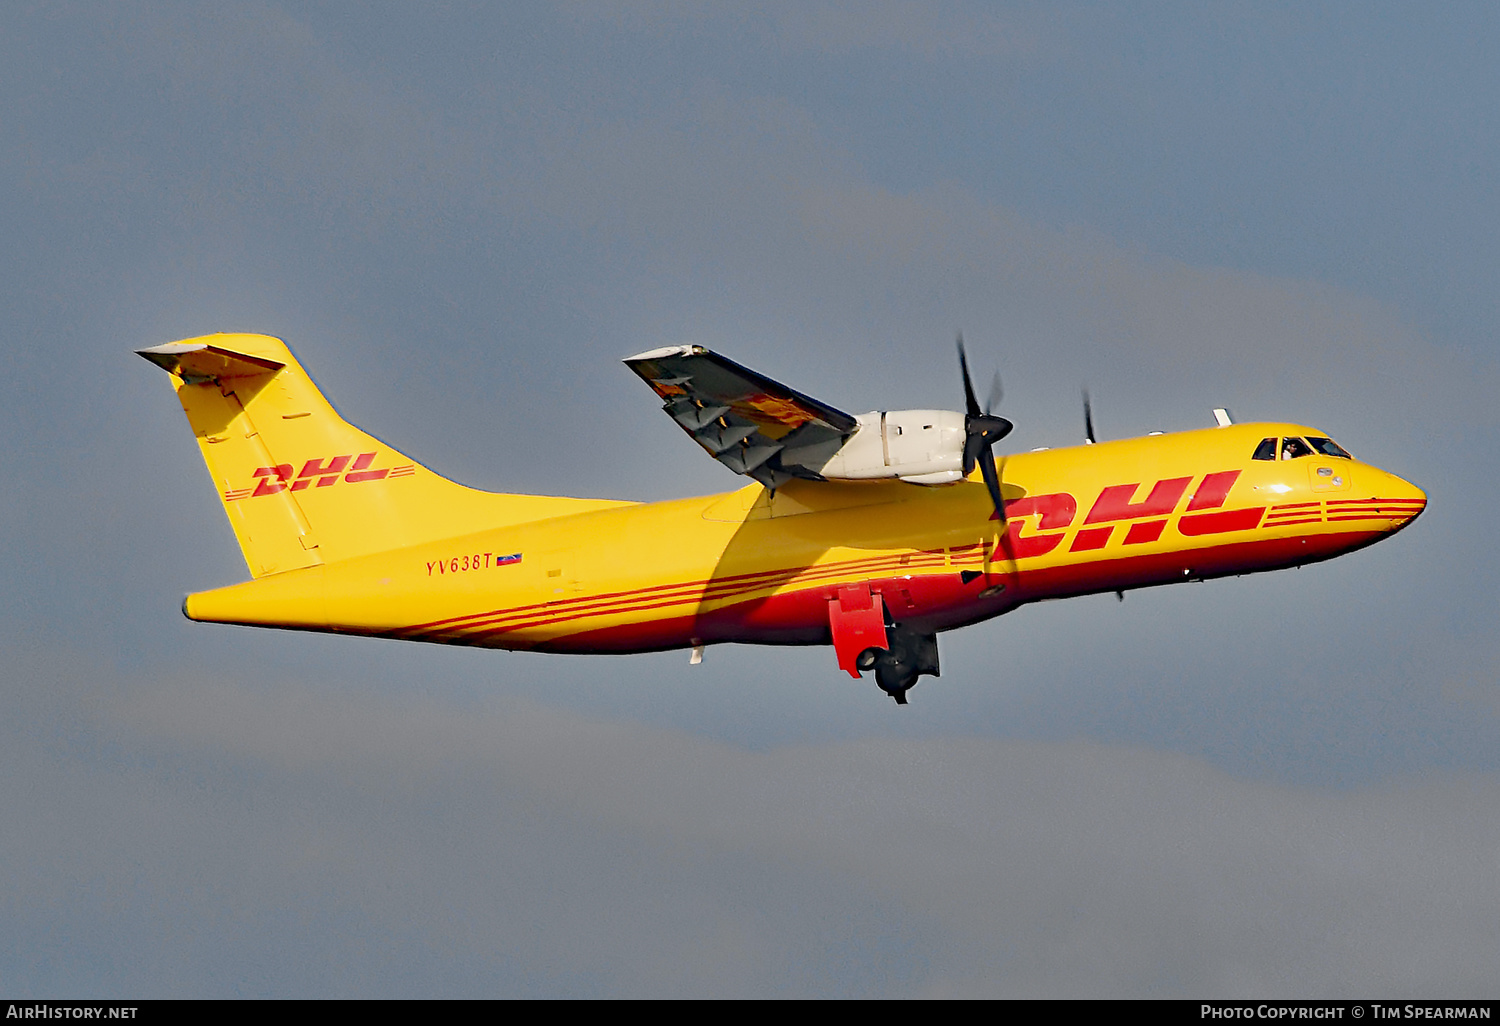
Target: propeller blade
column 992, row 482
column 1007, row 544
column 982, row 429
column 973, row 447
column 971, row 405
column 1088, row 420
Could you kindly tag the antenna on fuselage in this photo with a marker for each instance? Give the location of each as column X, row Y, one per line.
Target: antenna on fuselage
column 1088, row 420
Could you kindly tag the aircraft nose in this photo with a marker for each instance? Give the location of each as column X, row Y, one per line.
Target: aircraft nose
column 1381, row 501
column 1400, row 500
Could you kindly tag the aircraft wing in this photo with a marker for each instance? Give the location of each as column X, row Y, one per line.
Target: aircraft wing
column 746, row 421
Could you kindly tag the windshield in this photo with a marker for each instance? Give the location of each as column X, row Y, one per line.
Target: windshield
column 1328, row 447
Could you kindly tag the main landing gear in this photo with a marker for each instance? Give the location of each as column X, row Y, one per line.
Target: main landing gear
column 908, row 655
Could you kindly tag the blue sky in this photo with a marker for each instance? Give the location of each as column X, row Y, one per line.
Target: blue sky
column 463, row 216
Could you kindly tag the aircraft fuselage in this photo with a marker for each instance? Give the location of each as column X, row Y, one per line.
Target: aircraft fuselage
column 761, row 567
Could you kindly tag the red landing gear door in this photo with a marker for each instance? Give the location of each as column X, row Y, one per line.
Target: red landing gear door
column 857, row 620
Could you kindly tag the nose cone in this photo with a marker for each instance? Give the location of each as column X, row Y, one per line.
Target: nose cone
column 1399, row 501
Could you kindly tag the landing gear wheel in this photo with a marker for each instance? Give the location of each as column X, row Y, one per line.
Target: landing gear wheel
column 894, row 678
column 909, row 656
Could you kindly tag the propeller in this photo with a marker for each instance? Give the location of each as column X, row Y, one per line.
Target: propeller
column 1088, row 420
column 982, row 430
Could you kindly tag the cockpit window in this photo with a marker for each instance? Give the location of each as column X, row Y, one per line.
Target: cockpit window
column 1294, row 448
column 1266, row 450
column 1328, row 447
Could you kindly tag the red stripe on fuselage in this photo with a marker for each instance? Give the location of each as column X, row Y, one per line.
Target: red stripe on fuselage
column 661, row 595
column 1198, row 524
column 800, row 617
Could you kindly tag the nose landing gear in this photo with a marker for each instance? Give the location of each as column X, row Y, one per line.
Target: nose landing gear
column 908, row 655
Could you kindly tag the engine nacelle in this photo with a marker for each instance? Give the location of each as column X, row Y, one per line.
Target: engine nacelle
column 918, row 446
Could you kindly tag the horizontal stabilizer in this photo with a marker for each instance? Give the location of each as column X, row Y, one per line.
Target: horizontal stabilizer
column 202, row 362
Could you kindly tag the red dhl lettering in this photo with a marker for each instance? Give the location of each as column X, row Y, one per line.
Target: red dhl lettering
column 326, row 474
column 1056, row 511
column 1148, row 531
column 1211, row 495
column 1091, row 538
column 273, row 479
column 1213, row 491
column 324, row 471
column 1219, row 523
column 358, row 472
column 1114, row 502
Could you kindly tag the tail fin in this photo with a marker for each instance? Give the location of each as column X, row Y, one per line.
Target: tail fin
column 301, row 485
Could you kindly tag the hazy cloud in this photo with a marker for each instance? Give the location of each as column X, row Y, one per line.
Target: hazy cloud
column 836, row 26
column 286, row 839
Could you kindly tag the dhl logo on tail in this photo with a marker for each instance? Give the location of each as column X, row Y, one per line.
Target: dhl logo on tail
column 325, row 473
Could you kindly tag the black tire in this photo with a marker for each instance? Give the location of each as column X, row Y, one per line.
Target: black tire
column 894, row 677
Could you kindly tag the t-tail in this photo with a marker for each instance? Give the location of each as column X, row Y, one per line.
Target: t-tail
column 301, row 485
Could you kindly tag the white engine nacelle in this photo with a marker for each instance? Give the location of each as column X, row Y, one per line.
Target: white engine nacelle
column 918, row 446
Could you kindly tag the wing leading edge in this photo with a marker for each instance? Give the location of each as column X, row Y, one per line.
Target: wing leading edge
column 751, row 424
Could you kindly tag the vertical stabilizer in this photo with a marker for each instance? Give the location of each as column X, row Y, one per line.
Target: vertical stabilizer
column 301, row 485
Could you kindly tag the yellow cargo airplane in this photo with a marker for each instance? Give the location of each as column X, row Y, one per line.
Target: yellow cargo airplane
column 868, row 532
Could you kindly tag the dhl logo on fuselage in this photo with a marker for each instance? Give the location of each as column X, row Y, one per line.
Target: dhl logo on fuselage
column 1056, row 512
column 322, row 473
